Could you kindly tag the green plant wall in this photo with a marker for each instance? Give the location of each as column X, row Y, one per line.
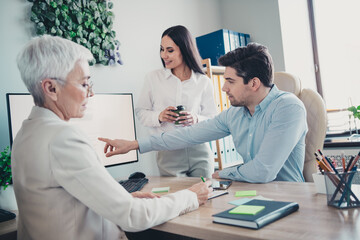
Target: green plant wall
column 86, row 22
column 5, row 168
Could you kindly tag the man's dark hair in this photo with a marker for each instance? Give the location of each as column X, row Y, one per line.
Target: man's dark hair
column 251, row 61
column 183, row 39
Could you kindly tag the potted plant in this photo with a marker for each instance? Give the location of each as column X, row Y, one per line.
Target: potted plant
column 355, row 111
column 356, row 114
column 7, row 196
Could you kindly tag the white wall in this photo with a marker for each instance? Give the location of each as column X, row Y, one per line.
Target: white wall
column 14, row 33
column 259, row 18
column 139, row 25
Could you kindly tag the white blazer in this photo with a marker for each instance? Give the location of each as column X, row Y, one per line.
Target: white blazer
column 64, row 192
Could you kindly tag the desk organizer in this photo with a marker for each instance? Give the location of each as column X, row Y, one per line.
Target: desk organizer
column 319, row 180
column 343, row 189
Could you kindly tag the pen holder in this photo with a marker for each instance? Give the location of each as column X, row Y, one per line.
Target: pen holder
column 343, row 189
column 319, row 180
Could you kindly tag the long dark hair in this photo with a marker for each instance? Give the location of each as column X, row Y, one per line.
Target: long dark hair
column 183, row 39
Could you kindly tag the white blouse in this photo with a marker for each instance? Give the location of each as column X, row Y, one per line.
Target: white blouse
column 163, row 89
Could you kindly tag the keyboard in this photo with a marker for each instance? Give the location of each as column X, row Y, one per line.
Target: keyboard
column 133, row 185
column 6, row 215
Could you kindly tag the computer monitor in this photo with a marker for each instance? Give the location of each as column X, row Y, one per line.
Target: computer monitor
column 107, row 115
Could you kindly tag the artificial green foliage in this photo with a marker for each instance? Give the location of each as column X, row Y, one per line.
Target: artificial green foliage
column 355, row 111
column 86, row 22
column 5, row 168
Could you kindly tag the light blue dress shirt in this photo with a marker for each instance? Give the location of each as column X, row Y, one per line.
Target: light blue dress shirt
column 271, row 142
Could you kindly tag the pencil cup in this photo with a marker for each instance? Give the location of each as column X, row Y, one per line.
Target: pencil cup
column 343, row 189
column 319, row 180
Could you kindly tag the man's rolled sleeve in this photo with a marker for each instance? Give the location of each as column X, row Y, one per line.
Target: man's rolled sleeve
column 231, row 173
column 144, row 145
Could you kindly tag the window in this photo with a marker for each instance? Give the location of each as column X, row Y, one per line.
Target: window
column 338, row 43
column 336, row 36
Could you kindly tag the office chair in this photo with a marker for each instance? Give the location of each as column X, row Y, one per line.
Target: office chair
column 316, row 118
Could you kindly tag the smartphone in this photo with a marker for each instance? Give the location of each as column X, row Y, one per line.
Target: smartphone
column 221, row 185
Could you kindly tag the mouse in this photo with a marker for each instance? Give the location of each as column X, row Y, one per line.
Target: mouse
column 136, row 175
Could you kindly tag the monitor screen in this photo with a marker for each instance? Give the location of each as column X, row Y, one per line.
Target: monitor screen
column 107, row 115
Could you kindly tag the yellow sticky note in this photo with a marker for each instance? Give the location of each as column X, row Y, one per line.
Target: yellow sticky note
column 247, row 209
column 160, row 189
column 245, row 193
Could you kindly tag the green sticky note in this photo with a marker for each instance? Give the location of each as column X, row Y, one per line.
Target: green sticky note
column 245, row 193
column 160, row 189
column 247, row 209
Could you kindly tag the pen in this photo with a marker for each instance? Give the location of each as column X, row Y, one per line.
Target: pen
column 333, row 161
column 331, row 165
column 323, row 164
column 323, row 158
column 349, row 164
column 318, row 164
column 202, row 179
column 343, row 160
column 354, row 162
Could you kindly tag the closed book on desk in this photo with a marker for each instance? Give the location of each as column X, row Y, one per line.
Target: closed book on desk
column 273, row 211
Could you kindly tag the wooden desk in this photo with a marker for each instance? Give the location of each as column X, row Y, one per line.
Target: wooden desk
column 313, row 220
column 8, row 229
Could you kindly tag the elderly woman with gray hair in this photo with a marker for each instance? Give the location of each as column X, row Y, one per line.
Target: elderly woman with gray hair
column 62, row 189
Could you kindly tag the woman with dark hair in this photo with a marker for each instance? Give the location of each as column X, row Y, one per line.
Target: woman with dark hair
column 180, row 82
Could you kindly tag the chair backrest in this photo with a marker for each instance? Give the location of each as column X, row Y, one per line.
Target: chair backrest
column 316, row 118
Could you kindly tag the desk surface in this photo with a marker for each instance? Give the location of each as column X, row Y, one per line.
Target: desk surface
column 314, row 219
column 8, row 229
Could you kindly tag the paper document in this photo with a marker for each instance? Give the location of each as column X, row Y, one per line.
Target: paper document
column 215, row 194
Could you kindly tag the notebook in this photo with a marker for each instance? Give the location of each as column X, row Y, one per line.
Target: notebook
column 272, row 211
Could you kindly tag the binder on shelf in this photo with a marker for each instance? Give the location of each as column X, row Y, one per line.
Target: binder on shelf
column 234, row 156
column 247, row 38
column 217, row 95
column 223, row 98
column 239, row 158
column 213, row 148
column 234, row 40
column 227, row 150
column 242, row 39
column 221, row 149
column 213, row 45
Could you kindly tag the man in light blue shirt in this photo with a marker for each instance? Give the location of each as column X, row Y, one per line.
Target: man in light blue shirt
column 268, row 126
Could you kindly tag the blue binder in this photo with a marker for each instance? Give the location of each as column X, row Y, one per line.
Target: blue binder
column 242, row 39
column 214, row 45
column 247, row 38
